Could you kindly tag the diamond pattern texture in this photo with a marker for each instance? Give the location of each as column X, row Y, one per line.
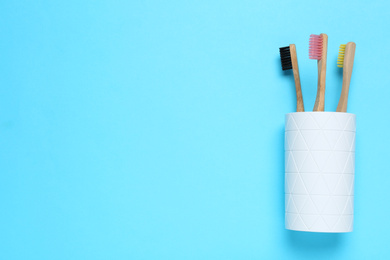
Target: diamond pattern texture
column 319, row 171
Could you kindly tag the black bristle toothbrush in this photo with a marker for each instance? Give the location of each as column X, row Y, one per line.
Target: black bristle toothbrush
column 288, row 57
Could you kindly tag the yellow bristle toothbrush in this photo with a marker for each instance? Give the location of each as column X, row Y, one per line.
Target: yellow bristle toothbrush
column 345, row 61
column 318, row 48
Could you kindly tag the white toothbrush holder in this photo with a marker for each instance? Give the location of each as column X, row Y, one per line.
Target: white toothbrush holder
column 319, row 171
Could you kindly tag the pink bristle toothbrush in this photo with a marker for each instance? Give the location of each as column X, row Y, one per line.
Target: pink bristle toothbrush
column 318, row 48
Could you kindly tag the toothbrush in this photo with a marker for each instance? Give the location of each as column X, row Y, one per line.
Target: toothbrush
column 345, row 61
column 288, row 57
column 318, row 48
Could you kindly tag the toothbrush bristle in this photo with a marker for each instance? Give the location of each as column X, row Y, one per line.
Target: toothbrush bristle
column 315, row 47
column 340, row 59
column 285, row 58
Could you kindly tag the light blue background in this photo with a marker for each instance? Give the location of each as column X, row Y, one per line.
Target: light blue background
column 154, row 129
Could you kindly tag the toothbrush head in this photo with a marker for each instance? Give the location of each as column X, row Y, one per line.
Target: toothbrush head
column 340, row 59
column 285, row 58
column 315, row 47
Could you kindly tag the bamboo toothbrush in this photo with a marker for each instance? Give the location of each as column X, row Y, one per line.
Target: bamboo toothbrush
column 345, row 61
column 318, row 48
column 288, row 57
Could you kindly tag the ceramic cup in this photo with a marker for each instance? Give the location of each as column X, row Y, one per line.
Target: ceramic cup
column 319, row 171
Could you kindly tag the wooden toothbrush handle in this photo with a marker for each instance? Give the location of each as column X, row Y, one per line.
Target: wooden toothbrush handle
column 294, row 61
column 349, row 57
column 320, row 99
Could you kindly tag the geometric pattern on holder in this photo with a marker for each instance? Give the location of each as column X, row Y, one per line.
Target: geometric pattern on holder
column 319, row 171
